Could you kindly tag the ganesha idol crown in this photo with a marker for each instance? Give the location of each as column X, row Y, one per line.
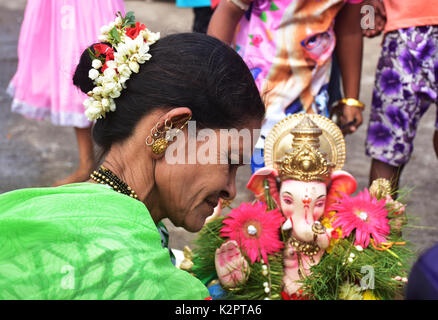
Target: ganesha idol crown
column 306, row 162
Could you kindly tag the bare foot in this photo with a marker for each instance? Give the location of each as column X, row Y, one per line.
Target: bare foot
column 80, row 175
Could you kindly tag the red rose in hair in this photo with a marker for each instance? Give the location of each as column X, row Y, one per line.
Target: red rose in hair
column 135, row 31
column 105, row 50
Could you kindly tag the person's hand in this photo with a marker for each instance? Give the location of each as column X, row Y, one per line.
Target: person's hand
column 347, row 117
column 351, row 119
column 379, row 18
column 231, row 266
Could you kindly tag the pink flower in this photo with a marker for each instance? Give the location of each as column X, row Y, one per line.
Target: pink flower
column 256, row 231
column 364, row 213
column 257, row 40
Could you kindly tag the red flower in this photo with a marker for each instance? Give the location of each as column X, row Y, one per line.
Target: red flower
column 135, row 31
column 105, row 66
column 103, row 49
column 335, row 234
column 293, row 296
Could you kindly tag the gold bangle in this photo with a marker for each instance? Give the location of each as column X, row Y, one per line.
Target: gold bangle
column 351, row 102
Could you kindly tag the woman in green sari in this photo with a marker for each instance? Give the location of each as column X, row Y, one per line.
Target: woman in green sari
column 99, row 239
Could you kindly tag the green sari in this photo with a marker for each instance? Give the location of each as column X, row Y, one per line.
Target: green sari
column 85, row 241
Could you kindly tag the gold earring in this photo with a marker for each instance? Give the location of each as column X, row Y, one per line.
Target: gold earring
column 162, row 141
column 159, row 140
column 159, row 145
column 166, row 126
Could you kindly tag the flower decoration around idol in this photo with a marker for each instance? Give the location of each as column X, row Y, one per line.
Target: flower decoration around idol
column 364, row 214
column 125, row 45
column 350, row 248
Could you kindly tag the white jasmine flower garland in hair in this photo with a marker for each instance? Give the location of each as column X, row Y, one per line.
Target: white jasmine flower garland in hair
column 113, row 64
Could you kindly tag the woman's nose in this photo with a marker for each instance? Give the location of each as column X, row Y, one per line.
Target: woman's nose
column 229, row 193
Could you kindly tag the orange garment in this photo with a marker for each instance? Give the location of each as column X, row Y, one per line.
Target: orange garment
column 409, row 13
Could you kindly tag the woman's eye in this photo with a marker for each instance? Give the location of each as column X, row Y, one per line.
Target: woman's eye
column 288, row 201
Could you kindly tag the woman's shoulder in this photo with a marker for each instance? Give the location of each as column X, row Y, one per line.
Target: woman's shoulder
column 85, row 241
column 75, row 201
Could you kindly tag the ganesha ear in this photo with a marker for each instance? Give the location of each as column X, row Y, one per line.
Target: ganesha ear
column 256, row 183
column 341, row 183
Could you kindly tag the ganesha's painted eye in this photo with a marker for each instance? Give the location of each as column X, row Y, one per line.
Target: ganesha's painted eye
column 320, row 203
column 288, row 200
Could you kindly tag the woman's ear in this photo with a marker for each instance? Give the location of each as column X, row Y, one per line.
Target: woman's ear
column 256, row 184
column 177, row 116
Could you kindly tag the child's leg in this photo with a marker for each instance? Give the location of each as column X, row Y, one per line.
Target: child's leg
column 86, row 158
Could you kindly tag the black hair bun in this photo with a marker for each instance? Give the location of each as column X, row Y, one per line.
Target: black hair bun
column 80, row 77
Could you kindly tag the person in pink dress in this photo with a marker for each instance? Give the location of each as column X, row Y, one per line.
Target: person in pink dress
column 53, row 35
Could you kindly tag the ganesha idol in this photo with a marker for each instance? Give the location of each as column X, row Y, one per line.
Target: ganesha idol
column 304, row 155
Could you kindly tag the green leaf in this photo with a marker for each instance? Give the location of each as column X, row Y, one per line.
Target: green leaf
column 92, row 55
column 264, row 17
column 129, row 19
column 130, row 16
column 115, row 34
column 273, row 7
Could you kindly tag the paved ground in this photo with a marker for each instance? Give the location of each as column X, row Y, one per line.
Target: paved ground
column 37, row 153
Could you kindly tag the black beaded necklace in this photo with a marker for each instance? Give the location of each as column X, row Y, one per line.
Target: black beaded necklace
column 106, row 176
